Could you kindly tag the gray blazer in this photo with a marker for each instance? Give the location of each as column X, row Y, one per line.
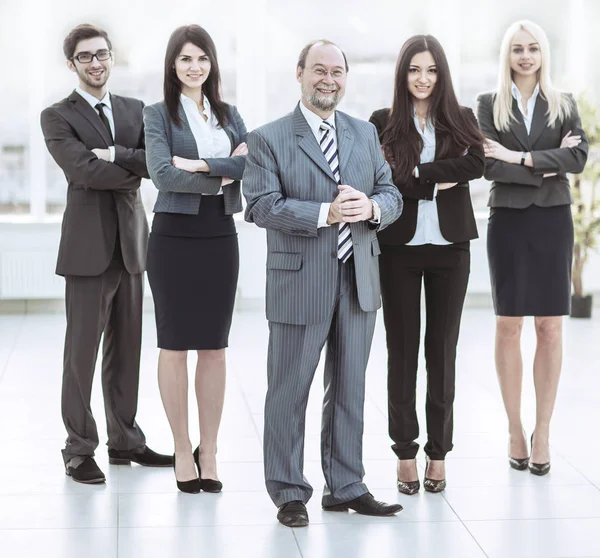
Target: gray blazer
column 519, row 186
column 181, row 191
column 285, row 181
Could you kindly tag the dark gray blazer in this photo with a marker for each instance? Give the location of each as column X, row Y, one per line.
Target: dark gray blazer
column 181, row 191
column 286, row 180
column 519, row 186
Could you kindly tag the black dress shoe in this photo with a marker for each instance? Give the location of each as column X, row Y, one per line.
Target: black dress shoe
column 208, row 485
column 293, row 514
column 538, row 469
column 84, row 469
column 433, row 485
column 143, row 456
column 190, row 487
column 366, row 505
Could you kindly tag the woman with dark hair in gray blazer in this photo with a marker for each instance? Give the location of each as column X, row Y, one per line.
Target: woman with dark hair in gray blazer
column 534, row 139
column 195, row 149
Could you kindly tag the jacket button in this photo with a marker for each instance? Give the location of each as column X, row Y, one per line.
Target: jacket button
column 334, row 254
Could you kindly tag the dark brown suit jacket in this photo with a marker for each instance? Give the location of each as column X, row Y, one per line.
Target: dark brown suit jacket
column 455, row 211
column 102, row 197
column 518, row 186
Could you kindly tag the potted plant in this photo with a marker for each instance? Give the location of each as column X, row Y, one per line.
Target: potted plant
column 586, row 208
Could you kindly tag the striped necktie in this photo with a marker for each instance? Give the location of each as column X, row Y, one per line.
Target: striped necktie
column 329, row 147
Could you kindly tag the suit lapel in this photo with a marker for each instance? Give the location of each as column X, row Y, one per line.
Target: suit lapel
column 308, row 143
column 518, row 128
column 85, row 109
column 539, row 120
column 121, row 119
column 345, row 142
column 187, row 143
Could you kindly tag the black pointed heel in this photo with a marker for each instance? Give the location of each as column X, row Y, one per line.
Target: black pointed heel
column 189, row 487
column 408, row 487
column 208, row 485
column 432, row 485
column 518, row 464
column 538, row 469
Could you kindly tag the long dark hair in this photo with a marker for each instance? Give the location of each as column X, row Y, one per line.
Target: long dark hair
column 212, row 86
column 455, row 131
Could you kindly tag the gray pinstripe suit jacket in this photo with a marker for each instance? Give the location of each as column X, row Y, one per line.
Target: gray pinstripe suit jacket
column 285, row 181
column 181, row 191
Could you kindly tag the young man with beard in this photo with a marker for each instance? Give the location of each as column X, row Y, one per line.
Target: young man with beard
column 317, row 181
column 98, row 141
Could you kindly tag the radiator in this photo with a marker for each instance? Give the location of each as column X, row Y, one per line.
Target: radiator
column 29, row 275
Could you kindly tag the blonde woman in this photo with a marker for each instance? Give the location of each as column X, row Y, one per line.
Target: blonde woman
column 534, row 139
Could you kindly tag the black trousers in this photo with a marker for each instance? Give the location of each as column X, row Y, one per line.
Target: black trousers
column 444, row 270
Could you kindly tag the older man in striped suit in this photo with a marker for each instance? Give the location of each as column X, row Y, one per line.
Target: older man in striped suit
column 317, row 181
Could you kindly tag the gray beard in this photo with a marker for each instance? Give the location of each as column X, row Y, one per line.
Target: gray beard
column 323, row 103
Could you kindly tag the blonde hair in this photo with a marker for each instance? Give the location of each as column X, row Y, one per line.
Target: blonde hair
column 559, row 104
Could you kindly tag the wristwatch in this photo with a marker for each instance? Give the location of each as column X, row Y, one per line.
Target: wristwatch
column 523, row 156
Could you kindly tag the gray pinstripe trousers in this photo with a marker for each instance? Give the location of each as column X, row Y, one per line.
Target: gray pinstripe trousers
column 294, row 352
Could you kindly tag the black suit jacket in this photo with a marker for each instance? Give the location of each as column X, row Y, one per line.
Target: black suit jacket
column 455, row 211
column 102, row 197
column 518, row 186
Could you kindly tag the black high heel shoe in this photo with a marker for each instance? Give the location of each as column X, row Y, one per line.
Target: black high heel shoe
column 190, row 487
column 432, row 485
column 519, row 464
column 538, row 469
column 408, row 487
column 208, row 485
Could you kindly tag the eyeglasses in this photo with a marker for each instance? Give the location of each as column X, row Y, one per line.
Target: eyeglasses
column 87, row 57
column 322, row 72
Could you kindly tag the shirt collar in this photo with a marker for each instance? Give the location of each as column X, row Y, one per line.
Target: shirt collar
column 517, row 94
column 191, row 104
column 314, row 120
column 93, row 101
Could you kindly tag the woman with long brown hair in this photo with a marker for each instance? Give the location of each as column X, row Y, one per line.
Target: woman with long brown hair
column 434, row 147
column 195, row 148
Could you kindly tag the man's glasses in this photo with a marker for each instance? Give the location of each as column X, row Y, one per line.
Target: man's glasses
column 87, row 57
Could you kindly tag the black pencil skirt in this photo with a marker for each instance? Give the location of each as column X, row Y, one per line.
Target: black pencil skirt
column 193, row 263
column 530, row 254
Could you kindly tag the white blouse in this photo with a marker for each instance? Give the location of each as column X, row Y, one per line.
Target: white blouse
column 428, row 222
column 211, row 140
column 527, row 118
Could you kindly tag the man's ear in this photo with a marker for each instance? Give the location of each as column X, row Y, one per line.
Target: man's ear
column 71, row 66
column 299, row 71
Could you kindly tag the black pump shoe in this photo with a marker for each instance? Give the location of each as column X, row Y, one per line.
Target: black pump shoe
column 538, row 469
column 208, row 485
column 432, row 485
column 190, row 487
column 518, row 464
column 408, row 487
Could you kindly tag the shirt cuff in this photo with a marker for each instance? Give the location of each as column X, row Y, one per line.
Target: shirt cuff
column 435, row 191
column 323, row 214
column 416, row 173
column 376, row 220
column 111, row 149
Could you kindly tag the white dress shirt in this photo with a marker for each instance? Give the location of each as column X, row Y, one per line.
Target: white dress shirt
column 211, row 140
column 428, row 222
column 314, row 122
column 527, row 118
column 107, row 111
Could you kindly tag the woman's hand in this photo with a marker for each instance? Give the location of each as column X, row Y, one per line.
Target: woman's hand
column 190, row 165
column 446, row 185
column 225, row 181
column 240, row 150
column 570, row 141
column 496, row 150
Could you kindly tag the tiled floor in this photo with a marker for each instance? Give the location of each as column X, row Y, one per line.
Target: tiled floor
column 487, row 510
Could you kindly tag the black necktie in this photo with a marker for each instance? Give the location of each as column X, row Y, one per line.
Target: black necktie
column 100, row 108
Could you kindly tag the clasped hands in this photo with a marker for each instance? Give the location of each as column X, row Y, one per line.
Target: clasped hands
column 200, row 165
column 349, row 206
column 495, row 150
